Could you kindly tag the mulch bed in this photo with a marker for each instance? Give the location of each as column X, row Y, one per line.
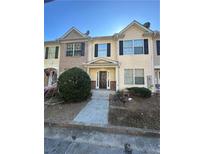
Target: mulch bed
column 139, row 112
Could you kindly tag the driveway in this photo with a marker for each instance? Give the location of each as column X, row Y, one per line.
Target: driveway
column 96, row 111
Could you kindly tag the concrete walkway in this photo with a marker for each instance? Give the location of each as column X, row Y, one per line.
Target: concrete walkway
column 96, row 111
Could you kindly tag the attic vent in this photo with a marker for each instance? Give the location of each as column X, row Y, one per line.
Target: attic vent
column 147, row 25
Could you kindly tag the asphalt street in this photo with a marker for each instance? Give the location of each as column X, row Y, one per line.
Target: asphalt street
column 74, row 141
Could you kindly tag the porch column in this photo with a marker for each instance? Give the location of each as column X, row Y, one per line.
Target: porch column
column 88, row 70
column 117, row 77
column 58, row 72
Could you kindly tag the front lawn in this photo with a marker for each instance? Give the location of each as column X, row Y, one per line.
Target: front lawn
column 62, row 112
column 139, row 112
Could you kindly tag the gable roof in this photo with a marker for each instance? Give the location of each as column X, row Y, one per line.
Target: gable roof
column 51, row 42
column 134, row 22
column 109, row 62
column 73, row 29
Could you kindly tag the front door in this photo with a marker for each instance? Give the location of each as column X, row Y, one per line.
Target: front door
column 103, row 79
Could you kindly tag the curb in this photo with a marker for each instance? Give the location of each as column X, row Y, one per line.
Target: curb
column 106, row 128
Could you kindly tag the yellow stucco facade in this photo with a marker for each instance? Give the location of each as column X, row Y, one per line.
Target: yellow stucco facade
column 51, row 62
column 104, row 40
column 93, row 73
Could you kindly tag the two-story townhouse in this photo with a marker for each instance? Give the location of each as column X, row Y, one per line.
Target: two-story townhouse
column 51, row 62
column 126, row 59
column 135, row 56
column 102, row 65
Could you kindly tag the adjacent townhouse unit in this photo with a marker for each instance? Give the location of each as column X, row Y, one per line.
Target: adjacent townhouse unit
column 129, row 58
column 157, row 61
column 51, row 62
column 74, row 49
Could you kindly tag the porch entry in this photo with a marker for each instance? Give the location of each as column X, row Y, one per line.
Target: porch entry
column 50, row 76
column 103, row 80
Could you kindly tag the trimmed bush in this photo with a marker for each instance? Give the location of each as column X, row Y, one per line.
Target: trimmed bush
column 74, row 85
column 142, row 92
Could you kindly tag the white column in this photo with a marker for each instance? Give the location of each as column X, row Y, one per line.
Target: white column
column 152, row 63
column 97, row 80
column 50, row 79
column 108, row 79
column 88, row 70
column 117, row 77
column 58, row 72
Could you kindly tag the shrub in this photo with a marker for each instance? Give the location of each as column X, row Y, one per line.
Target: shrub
column 142, row 92
column 118, row 95
column 74, row 85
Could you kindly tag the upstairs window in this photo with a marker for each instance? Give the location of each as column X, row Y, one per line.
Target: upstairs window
column 102, row 50
column 138, row 46
column 70, row 50
column 128, row 47
column 133, row 47
column 75, row 49
column 78, row 49
column 51, row 52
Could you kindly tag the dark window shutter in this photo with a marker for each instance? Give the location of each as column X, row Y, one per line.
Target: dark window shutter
column 158, row 47
column 46, row 54
column 108, row 49
column 83, row 49
column 96, row 50
column 146, row 48
column 121, row 47
column 56, row 53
